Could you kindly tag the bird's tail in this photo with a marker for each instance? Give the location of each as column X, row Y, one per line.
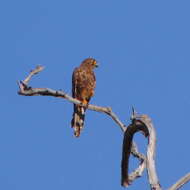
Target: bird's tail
column 77, row 121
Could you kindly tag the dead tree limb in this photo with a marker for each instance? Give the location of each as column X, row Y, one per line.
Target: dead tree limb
column 25, row 90
column 128, row 147
column 151, row 166
column 139, row 123
column 181, row 182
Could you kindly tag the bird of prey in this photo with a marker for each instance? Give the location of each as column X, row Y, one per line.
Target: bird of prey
column 83, row 85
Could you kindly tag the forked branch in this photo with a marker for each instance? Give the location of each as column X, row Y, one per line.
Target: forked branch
column 140, row 123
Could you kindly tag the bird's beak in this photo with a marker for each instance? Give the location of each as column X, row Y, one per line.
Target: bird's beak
column 97, row 65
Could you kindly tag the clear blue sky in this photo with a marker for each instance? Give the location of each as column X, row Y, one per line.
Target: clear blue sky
column 143, row 49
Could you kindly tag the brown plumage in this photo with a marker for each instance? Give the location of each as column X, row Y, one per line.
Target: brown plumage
column 83, row 85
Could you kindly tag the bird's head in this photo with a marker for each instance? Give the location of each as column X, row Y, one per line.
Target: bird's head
column 90, row 62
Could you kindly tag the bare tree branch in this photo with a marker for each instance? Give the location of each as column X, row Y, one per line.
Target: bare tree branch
column 140, row 123
column 38, row 69
column 127, row 147
column 25, row 90
column 180, row 182
column 144, row 124
column 151, row 167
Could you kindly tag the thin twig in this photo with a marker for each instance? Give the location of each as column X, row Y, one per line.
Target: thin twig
column 38, row 69
column 180, row 182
